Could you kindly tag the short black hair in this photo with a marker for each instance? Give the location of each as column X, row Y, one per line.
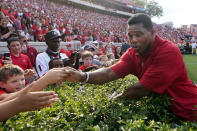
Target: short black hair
column 52, row 60
column 141, row 18
column 11, row 39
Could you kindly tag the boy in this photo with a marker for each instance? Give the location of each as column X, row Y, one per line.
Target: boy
column 12, row 81
column 87, row 58
column 103, row 59
column 26, row 99
column 56, row 63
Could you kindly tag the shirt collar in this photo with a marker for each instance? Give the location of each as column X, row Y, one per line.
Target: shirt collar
column 12, row 55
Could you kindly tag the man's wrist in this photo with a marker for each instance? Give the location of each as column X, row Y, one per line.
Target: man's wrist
column 85, row 77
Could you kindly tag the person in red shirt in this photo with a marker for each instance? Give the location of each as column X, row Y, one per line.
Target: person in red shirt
column 87, row 58
column 28, row 50
column 16, row 57
column 29, row 98
column 13, row 81
column 156, row 62
column 68, row 52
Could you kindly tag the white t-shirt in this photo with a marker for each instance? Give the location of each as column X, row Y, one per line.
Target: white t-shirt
column 194, row 45
column 42, row 62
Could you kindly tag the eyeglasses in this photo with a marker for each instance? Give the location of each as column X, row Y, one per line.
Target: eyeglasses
column 25, row 41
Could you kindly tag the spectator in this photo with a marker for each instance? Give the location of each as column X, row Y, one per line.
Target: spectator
column 56, row 63
column 53, row 51
column 87, row 58
column 103, row 59
column 194, row 47
column 16, row 56
column 118, row 52
column 39, row 38
column 27, row 99
column 7, row 32
column 17, row 23
column 68, row 52
column 13, row 80
column 125, row 47
column 28, row 50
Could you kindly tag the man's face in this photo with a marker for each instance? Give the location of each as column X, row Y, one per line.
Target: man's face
column 140, row 38
column 54, row 44
column 87, row 61
column 23, row 41
column 14, row 83
column 15, row 47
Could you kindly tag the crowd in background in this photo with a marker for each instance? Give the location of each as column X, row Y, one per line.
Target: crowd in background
column 35, row 18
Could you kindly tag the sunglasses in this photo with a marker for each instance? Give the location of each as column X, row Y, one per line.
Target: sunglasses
column 25, row 41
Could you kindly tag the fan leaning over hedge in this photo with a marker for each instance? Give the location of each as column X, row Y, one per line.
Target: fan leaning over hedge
column 157, row 63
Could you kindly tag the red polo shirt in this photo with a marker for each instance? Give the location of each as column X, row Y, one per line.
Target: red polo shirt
column 31, row 53
column 22, row 61
column 162, row 70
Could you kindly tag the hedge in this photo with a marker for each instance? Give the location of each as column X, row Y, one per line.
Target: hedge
column 88, row 107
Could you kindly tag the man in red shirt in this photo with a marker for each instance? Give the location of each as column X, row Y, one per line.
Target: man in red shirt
column 17, row 58
column 157, row 63
column 28, row 50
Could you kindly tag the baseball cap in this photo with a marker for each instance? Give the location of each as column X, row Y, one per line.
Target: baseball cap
column 86, row 47
column 52, row 35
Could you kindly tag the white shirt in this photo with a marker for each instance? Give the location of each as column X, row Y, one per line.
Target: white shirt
column 42, row 62
column 194, row 45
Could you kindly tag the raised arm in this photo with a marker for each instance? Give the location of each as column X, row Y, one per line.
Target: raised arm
column 25, row 101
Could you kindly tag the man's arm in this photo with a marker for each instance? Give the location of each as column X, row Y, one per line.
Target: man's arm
column 137, row 90
column 99, row 76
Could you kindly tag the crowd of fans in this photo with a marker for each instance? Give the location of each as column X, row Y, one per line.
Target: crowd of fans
column 35, row 18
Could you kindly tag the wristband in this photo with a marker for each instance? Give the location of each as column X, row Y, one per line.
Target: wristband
column 87, row 77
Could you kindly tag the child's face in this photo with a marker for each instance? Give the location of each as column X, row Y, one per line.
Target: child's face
column 103, row 60
column 111, row 57
column 87, row 61
column 58, row 64
column 14, row 83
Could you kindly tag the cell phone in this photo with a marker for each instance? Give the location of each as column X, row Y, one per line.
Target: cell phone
column 6, row 55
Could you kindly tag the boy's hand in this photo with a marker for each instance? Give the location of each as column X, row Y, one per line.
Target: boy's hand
column 29, row 73
column 54, row 75
column 29, row 101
